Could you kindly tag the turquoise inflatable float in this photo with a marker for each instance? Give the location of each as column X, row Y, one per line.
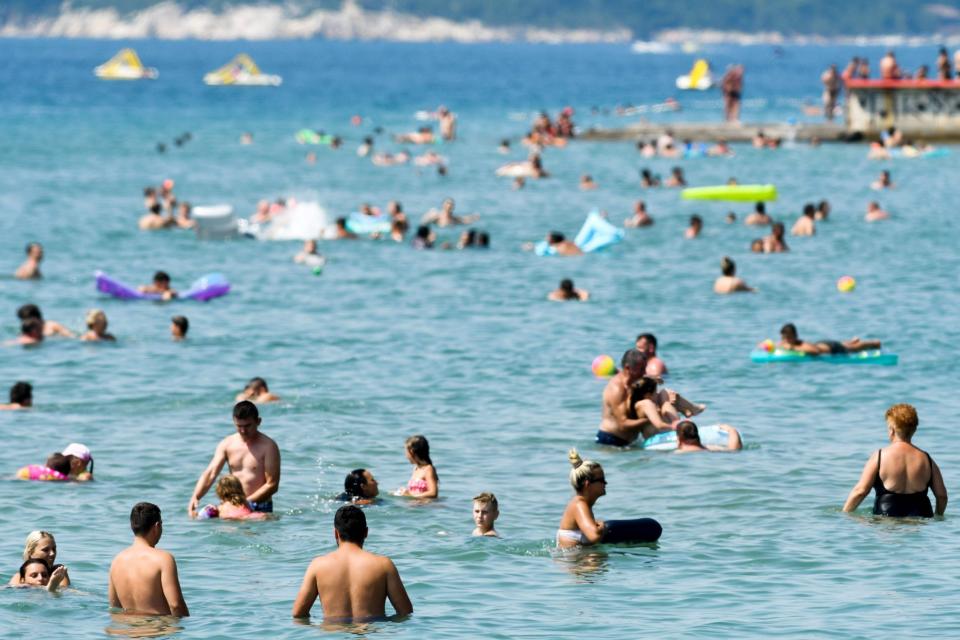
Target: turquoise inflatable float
column 873, row 356
column 595, row 234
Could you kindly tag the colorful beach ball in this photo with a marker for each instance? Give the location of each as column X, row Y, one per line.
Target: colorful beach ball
column 603, row 366
column 846, row 284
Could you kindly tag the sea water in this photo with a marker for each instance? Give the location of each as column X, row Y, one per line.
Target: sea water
column 463, row 347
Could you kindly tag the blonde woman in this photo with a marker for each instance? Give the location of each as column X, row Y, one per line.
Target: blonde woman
column 40, row 544
column 578, row 526
column 97, row 327
column 901, row 473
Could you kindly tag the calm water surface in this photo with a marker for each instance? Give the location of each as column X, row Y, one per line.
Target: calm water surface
column 463, row 347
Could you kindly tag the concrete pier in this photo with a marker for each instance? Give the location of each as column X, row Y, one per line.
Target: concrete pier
column 717, row 131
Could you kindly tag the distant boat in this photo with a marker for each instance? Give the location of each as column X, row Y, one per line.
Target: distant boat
column 650, row 46
column 125, row 65
column 241, row 71
column 698, row 79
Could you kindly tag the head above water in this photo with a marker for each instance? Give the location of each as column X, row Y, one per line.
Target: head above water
column 40, row 544
column 27, row 311
column 21, row 393
column 35, row 572
column 760, row 208
column 555, row 237
column 230, row 490
column 788, row 332
column 145, row 520
column 727, row 266
column 257, row 385
column 584, row 472
column 687, row 433
column 902, row 420
column 634, row 362
column 246, row 418
column 647, row 343
column 355, row 483
column 161, row 279
column 419, row 449
column 809, row 210
column 182, row 325
column 566, row 286
column 777, row 229
column 350, row 524
column 59, row 463
column 95, row 318
column 33, row 328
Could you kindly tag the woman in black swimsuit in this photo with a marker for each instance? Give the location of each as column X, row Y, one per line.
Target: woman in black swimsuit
column 901, row 473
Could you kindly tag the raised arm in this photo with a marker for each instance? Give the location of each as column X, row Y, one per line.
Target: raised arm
column 170, row 583
column 939, row 488
column 306, row 596
column 207, row 477
column 591, row 528
column 271, row 475
column 862, row 488
column 396, row 591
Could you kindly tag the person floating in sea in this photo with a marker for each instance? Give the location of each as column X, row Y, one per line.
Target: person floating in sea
column 21, row 397
column 183, row 219
column 728, row 282
column 696, row 226
column 578, row 526
column 648, row 180
column 790, row 341
column 143, row 579
column 97, row 327
column 775, row 243
column 909, row 470
column 587, row 183
column 566, row 291
column 688, row 439
column 35, row 572
column 759, row 217
column 823, row 211
column 258, row 392
column 31, row 334
column 875, row 213
column 676, row 178
column 486, row 510
column 618, row 424
column 154, row 219
column 424, row 481
column 360, row 487
column 40, row 545
column 640, row 218
column 882, row 182
column 444, row 217
column 30, row 269
column 252, row 457
column 179, row 325
column 804, row 226
column 161, row 285
column 50, row 327
column 352, row 584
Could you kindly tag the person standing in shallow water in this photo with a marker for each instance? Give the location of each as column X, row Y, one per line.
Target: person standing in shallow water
column 352, row 584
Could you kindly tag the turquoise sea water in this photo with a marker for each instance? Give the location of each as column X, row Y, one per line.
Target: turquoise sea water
column 463, row 347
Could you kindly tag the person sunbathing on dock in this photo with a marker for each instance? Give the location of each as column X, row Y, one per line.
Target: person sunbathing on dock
column 790, row 341
column 161, row 285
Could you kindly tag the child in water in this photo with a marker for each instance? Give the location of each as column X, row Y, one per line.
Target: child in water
column 485, row 514
column 233, row 502
column 424, row 482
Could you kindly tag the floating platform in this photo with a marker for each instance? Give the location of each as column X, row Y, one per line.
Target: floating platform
column 726, row 131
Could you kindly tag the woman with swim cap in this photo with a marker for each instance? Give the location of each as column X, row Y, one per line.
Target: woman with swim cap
column 907, row 470
column 578, row 527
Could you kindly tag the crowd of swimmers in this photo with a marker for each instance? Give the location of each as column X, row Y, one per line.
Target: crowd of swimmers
column 34, row 329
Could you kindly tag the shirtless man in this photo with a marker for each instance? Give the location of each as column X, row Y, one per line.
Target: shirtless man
column 759, row 216
column 790, row 341
column 563, row 246
column 257, row 392
column 161, row 285
column 688, row 439
column 353, row 585
column 31, row 333
column 641, row 217
column 831, row 91
column 448, row 123
column 445, row 217
column 804, row 225
column 616, row 429
column 883, row 182
column 30, row 269
column 21, row 397
column 889, row 69
column 729, row 282
column 143, row 579
column 251, row 456
column 50, row 327
column 875, row 213
column 774, row 243
column 153, row 220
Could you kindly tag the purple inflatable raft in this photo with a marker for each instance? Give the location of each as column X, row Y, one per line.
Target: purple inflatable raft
column 212, row 285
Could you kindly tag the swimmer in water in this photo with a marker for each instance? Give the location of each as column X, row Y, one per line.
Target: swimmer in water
column 21, row 397
column 775, row 243
column 875, row 213
column 756, row 245
column 804, row 226
column 676, row 178
column 883, row 182
column 233, row 502
column 578, row 526
column 183, row 219
column 617, row 428
column 587, row 183
column 179, row 325
column 445, row 216
column 40, row 545
column 352, row 584
column 161, row 285
column 648, row 180
column 730, row 218
column 30, row 269
column 308, row 254
column 342, row 233
column 360, row 487
column 566, row 291
column 257, row 392
column 364, row 149
column 31, row 334
column 35, row 572
column 486, row 510
column 646, row 343
column 424, row 482
column 562, row 246
column 97, row 327
column 424, row 238
column 759, row 216
column 644, row 404
column 640, row 218
column 823, row 210
column 504, row 147
column 154, row 220
column 688, row 439
column 791, row 342
column 79, row 456
column 143, row 580
column 728, row 282
column 909, row 470
column 50, row 327
column 696, row 226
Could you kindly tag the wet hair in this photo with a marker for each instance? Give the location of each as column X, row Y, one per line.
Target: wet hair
column 487, row 498
column 677, row 171
column 756, row 245
column 257, row 382
column 582, row 470
column 760, row 208
column 566, row 286
column 59, row 463
column 632, row 359
column 29, row 310
column 687, row 431
column 354, row 482
column 483, row 240
column 555, row 236
column 182, row 323
column 471, row 237
column 777, row 228
column 230, row 490
column 696, row 220
column 642, row 388
column 823, row 204
column 155, row 208
column 161, row 276
column 143, row 516
column 93, row 315
column 649, row 337
column 727, row 266
column 31, row 325
column 31, row 245
column 245, row 410
column 21, row 392
column 419, row 448
column 350, row 524
column 34, row 538
column 903, row 419
column 789, row 329
column 342, row 223
column 809, row 209
column 30, row 561
column 423, row 232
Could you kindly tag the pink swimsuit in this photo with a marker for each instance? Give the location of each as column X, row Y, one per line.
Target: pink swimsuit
column 39, row 472
column 417, row 486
